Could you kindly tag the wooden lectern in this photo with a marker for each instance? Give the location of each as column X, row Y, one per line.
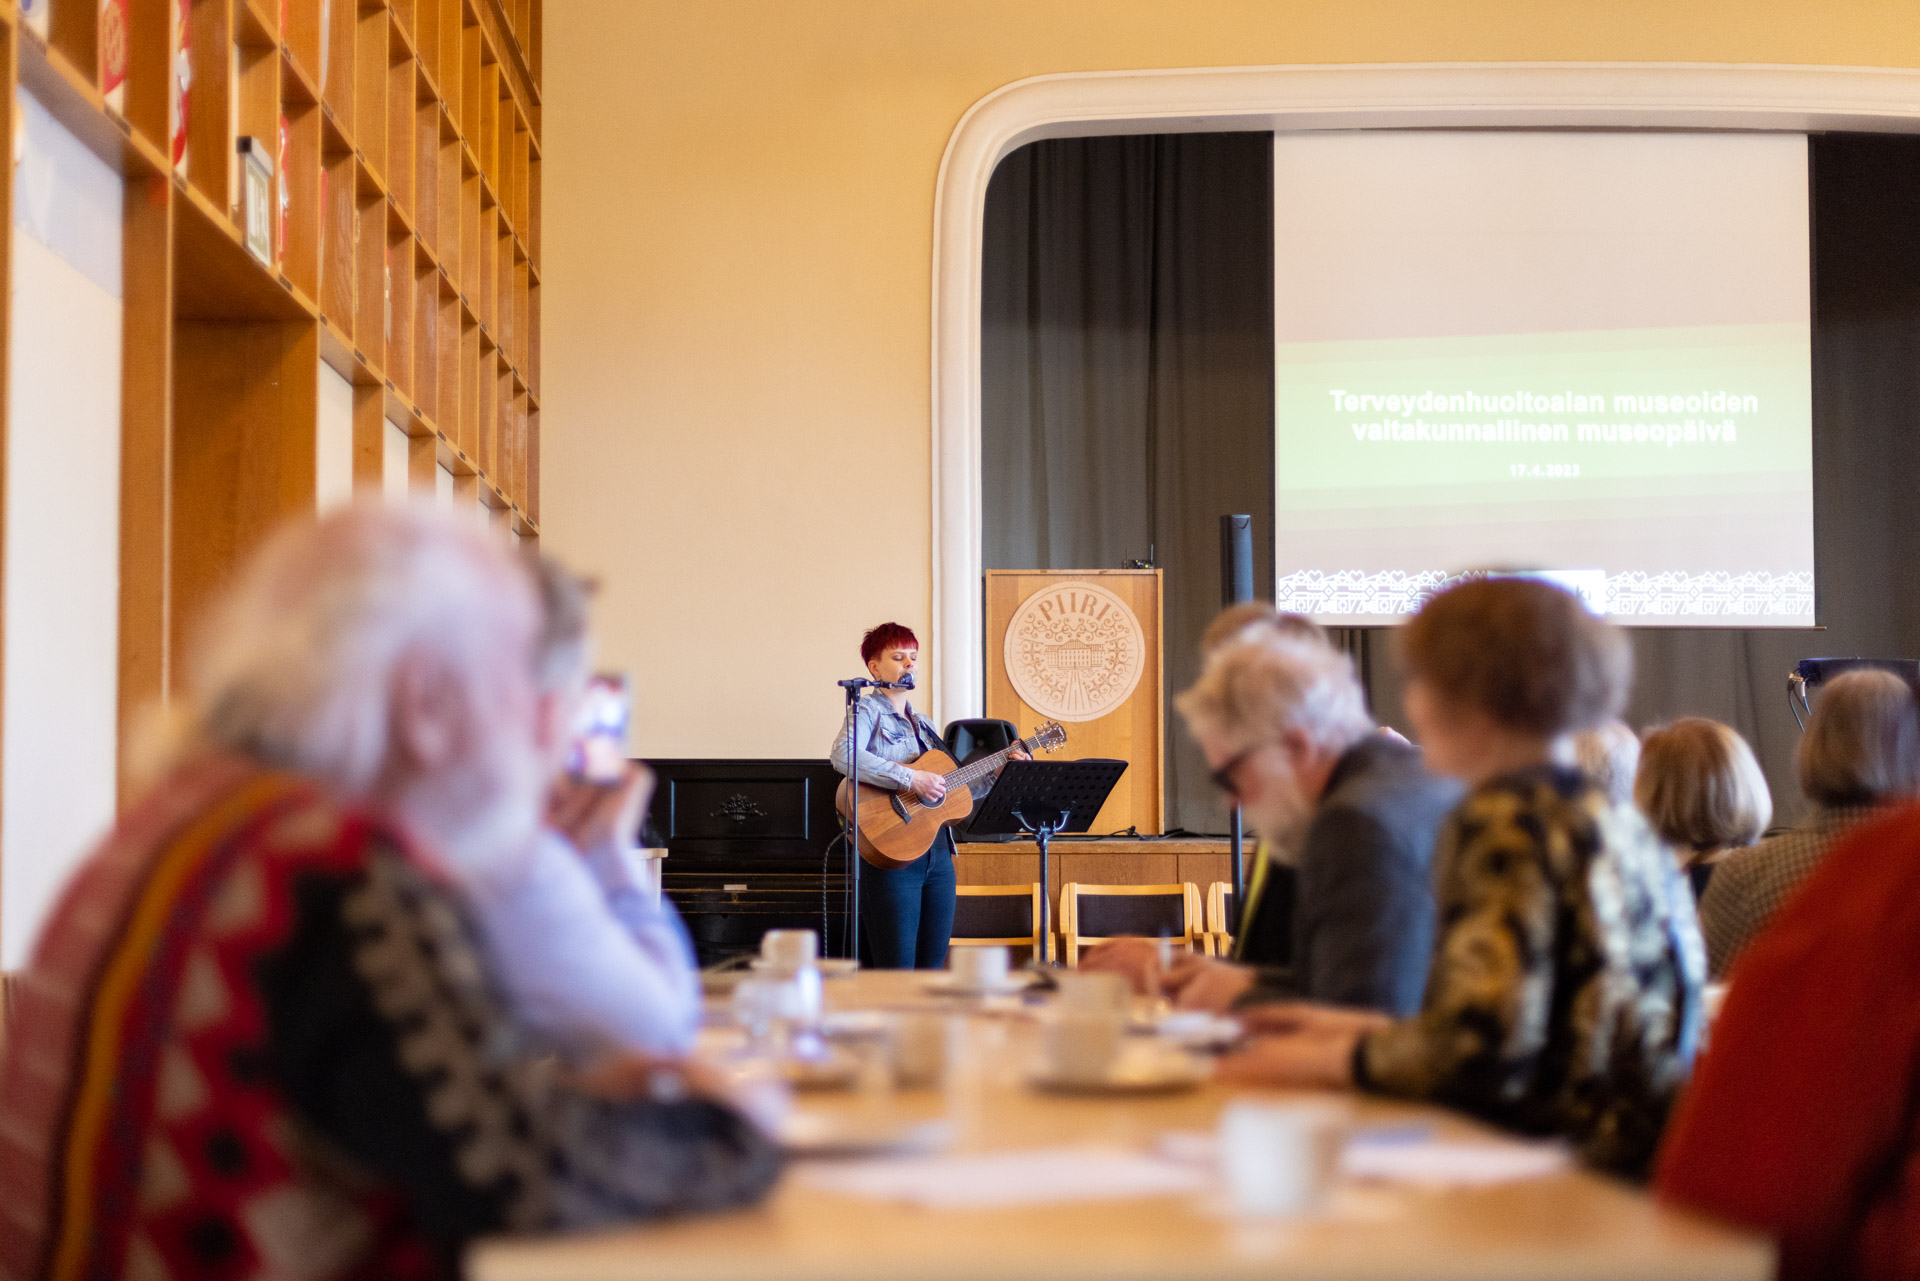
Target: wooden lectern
column 1083, row 647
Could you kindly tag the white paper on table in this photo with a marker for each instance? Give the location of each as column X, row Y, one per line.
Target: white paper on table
column 1450, row 1163
column 992, row 1180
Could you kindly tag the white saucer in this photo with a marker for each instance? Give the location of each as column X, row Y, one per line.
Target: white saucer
column 945, row 984
column 1193, row 1029
column 1161, row 1073
column 821, row 1134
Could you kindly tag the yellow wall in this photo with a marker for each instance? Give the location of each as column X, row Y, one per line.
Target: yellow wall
column 737, row 285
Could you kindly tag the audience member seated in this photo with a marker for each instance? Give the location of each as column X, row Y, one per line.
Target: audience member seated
column 1609, row 754
column 1701, row 790
column 1565, row 990
column 1860, row 752
column 1803, row 1120
column 1284, row 727
column 257, row 1036
column 589, row 961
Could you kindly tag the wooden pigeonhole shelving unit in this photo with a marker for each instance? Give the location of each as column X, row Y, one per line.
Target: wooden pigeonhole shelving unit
column 405, row 254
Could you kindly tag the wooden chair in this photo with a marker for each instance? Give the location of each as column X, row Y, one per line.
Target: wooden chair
column 1094, row 913
column 999, row 916
column 1220, row 907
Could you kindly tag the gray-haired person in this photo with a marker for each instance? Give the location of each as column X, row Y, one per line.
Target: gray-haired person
column 1861, row 753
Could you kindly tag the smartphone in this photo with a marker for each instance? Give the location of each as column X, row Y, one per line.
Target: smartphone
column 599, row 752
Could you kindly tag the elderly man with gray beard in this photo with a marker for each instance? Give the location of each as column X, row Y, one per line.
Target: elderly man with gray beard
column 1282, row 722
column 260, row 1033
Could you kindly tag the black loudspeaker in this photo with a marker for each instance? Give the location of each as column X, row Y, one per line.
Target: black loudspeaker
column 1236, row 559
column 967, row 741
column 1809, row 674
column 1818, row 671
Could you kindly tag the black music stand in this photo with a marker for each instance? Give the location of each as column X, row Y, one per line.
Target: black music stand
column 1041, row 798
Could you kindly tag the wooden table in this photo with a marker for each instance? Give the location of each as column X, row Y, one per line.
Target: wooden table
column 1564, row 1226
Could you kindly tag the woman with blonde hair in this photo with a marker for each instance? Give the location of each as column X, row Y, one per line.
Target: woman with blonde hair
column 1702, row 793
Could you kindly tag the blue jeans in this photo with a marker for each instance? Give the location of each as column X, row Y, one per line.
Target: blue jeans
column 906, row 913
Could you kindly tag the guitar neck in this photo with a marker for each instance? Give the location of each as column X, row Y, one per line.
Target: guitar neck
column 968, row 775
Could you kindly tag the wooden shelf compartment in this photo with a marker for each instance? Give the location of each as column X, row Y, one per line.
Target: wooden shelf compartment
column 533, row 337
column 505, row 304
column 300, row 33
column 487, row 304
column 370, row 61
column 446, row 168
column 339, row 32
column 257, row 102
column 468, row 267
column 535, row 44
column 245, row 413
column 150, row 70
column 339, row 278
column 531, row 503
column 422, row 19
column 398, row 308
column 72, row 100
column 471, row 44
column 215, row 278
column 210, row 156
column 516, row 470
column 423, row 120
column 465, row 428
column 370, row 294
column 486, row 135
column 446, row 357
column 487, row 406
column 257, row 22
column 449, row 51
column 297, row 179
column 517, row 176
column 73, row 33
column 402, row 99
column 522, row 315
column 425, row 295
column 533, row 209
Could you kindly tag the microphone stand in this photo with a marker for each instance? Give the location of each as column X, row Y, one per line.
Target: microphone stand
column 850, row 825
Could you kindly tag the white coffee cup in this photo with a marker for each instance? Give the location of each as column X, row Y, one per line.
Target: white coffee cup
column 1101, row 993
column 1082, row 1045
column 789, row 949
column 920, row 1049
column 978, row 968
column 1280, row 1158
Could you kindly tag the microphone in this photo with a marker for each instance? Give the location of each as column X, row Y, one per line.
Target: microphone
column 905, row 682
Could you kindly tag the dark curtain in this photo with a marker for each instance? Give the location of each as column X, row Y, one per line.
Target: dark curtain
column 1127, row 375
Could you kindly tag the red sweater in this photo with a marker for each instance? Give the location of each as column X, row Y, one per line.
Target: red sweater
column 1803, row 1120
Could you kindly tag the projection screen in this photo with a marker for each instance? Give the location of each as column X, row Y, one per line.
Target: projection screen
column 1586, row 355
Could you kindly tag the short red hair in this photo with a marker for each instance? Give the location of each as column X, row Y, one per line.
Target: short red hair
column 885, row 637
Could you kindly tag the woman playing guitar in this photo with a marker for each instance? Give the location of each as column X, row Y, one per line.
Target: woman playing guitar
column 906, row 913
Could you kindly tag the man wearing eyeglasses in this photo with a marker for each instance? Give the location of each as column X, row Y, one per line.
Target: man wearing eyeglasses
column 1282, row 721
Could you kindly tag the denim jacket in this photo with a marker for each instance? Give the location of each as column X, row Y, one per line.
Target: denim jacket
column 886, row 741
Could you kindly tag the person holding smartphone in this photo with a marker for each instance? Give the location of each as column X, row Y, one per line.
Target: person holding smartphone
column 593, row 962
column 906, row 913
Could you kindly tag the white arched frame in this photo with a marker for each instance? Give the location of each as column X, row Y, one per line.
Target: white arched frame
column 1716, row 96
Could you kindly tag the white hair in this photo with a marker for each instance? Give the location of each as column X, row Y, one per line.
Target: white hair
column 295, row 666
column 1266, row 682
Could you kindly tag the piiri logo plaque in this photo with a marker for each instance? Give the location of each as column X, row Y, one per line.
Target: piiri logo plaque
column 1074, row 652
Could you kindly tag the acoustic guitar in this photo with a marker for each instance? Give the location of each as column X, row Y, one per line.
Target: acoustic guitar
column 898, row 827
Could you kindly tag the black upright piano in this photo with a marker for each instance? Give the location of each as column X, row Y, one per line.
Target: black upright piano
column 752, row 846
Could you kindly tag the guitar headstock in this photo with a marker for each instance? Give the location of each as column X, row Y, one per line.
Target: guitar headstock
column 1048, row 737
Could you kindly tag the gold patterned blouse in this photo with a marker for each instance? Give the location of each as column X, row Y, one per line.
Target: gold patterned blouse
column 1564, row 995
